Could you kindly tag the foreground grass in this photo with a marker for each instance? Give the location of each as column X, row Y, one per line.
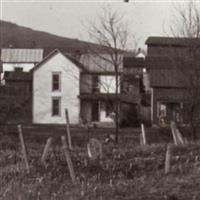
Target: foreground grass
column 127, row 171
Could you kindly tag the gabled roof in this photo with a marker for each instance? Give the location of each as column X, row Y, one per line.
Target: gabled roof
column 10, row 55
column 172, row 41
column 54, row 52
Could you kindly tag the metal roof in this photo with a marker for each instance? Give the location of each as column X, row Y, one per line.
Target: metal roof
column 21, row 55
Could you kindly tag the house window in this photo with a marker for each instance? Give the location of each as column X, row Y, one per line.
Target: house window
column 108, row 84
column 56, row 106
column 56, row 81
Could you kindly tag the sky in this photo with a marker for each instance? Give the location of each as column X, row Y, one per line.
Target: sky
column 66, row 18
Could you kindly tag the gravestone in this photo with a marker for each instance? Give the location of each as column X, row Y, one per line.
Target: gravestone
column 94, row 149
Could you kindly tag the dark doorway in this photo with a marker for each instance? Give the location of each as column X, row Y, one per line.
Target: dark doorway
column 95, row 111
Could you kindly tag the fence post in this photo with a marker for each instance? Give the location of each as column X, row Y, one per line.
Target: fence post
column 23, row 147
column 68, row 129
column 167, row 159
column 173, row 130
column 68, row 158
column 143, row 134
column 46, row 149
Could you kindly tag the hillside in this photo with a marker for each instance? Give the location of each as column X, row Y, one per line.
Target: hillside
column 23, row 37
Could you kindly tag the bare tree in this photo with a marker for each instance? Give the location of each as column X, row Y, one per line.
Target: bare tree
column 111, row 32
column 186, row 21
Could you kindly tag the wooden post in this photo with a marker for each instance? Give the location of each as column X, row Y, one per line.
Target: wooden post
column 68, row 129
column 177, row 136
column 143, row 134
column 46, row 149
column 23, row 147
column 68, row 158
column 172, row 125
column 167, row 159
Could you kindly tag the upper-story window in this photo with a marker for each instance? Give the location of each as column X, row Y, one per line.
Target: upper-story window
column 108, row 84
column 56, row 81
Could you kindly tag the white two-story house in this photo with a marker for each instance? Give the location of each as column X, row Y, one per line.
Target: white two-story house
column 55, row 88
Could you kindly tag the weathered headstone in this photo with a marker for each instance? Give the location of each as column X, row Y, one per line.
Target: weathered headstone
column 94, row 148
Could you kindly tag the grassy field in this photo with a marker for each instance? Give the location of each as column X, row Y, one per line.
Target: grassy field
column 127, row 170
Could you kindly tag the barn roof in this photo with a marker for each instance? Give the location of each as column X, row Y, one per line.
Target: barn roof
column 172, row 41
column 10, row 55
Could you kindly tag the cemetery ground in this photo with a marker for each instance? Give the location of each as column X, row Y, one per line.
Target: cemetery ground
column 126, row 171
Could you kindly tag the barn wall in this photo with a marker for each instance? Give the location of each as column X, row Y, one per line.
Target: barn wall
column 167, row 50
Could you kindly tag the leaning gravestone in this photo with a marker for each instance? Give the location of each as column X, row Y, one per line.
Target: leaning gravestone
column 94, row 149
